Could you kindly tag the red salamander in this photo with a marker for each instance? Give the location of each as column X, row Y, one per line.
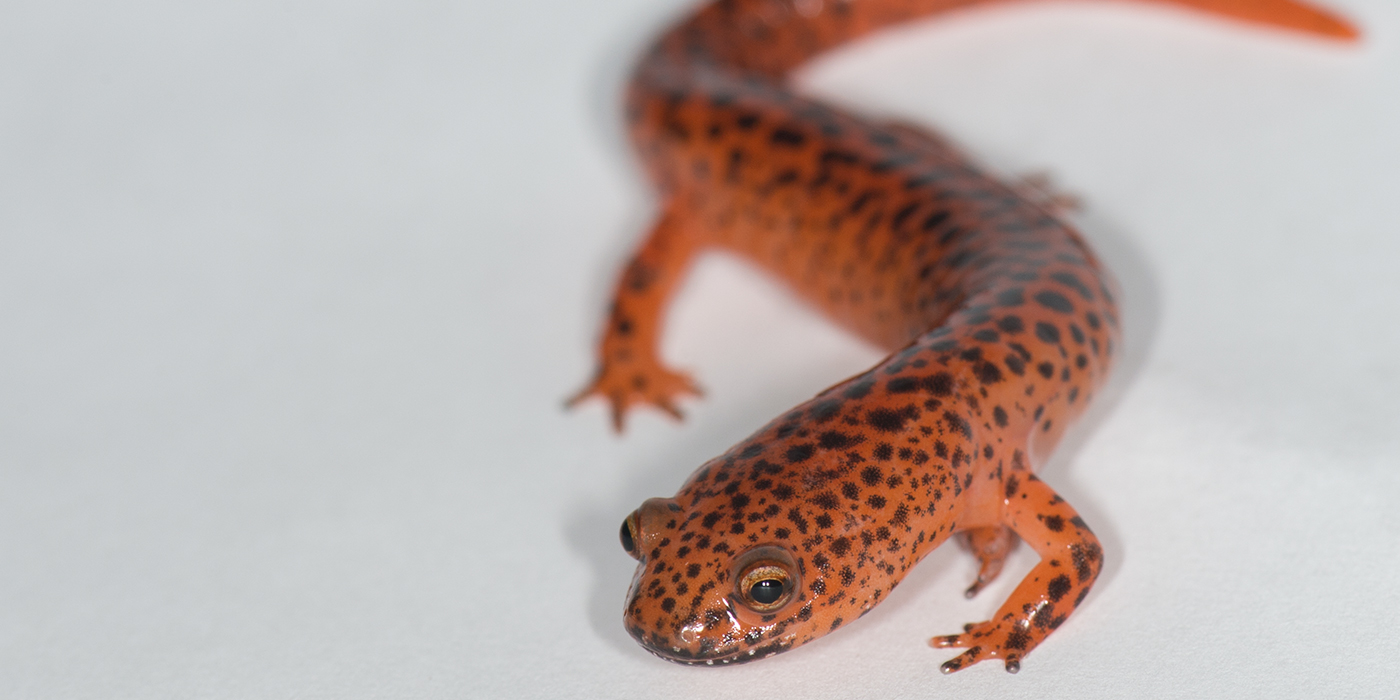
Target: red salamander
column 1000, row 320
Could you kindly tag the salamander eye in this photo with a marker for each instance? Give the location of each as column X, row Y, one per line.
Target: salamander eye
column 765, row 587
column 628, row 535
column 767, row 592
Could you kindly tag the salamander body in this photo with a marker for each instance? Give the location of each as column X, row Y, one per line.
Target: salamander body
column 1001, row 323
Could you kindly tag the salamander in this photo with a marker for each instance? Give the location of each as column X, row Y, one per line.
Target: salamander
column 1001, row 324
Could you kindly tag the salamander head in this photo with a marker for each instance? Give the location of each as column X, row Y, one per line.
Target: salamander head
column 701, row 596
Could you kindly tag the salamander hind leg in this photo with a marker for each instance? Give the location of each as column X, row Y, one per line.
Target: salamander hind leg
column 629, row 370
column 1070, row 560
column 991, row 546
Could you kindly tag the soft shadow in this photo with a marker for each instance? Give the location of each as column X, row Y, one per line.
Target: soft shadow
column 1139, row 306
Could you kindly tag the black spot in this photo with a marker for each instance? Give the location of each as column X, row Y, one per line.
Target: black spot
column 1012, row 485
column 889, row 420
column 1016, row 365
column 860, row 389
column 1046, row 369
column 848, row 576
column 747, row 121
column 872, row 475
column 785, row 177
column 1054, row 301
column 795, row 516
column 840, row 546
column 1054, row 523
column 850, row 490
column 830, row 156
column 832, row 440
column 1047, row 332
column 902, row 385
column 1093, row 320
column 827, row 500
column 1011, row 324
column 783, row 492
column 987, row 372
column 904, row 213
column 1069, row 280
column 798, row 453
column 1076, row 333
column 1084, row 557
column 784, row 136
column 710, row 519
column 925, row 178
column 960, row 258
column 999, row 415
column 940, row 384
column 883, row 452
column 1081, row 361
column 957, row 424
column 901, row 515
column 933, row 220
column 875, row 501
column 987, row 335
column 892, row 162
column 739, row 500
column 824, row 521
column 1011, row 297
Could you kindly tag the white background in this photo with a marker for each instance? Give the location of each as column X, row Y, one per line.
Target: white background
column 291, row 292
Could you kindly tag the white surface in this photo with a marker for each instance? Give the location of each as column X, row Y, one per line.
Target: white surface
column 291, row 294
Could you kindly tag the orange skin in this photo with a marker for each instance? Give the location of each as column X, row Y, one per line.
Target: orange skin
column 1001, row 322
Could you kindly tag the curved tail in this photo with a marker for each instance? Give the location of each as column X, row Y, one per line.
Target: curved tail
column 771, row 37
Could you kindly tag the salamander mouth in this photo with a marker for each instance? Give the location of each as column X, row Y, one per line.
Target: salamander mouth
column 743, row 656
column 707, row 654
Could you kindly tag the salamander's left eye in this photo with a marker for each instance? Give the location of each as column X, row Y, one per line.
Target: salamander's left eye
column 765, row 587
column 628, row 535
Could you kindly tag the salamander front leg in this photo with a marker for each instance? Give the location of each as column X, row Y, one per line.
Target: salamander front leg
column 1070, row 560
column 629, row 370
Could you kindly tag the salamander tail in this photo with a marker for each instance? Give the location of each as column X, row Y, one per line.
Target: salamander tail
column 772, row 37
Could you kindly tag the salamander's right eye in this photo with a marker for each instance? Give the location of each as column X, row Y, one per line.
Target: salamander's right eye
column 765, row 587
column 628, row 535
